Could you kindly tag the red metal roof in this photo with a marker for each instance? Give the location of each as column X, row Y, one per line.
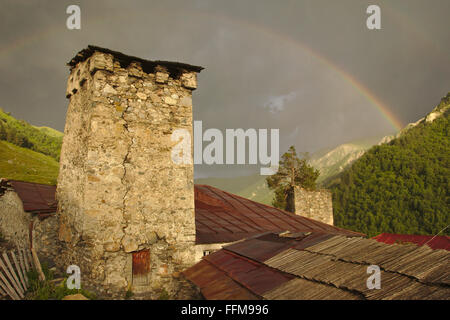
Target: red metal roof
column 320, row 266
column 215, row 284
column 256, row 277
column 37, row 198
column 224, row 217
column 434, row 242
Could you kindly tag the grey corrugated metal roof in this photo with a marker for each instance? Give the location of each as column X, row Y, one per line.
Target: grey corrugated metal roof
column 335, row 267
column 300, row 289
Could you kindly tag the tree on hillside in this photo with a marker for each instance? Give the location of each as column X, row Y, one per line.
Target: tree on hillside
column 292, row 172
column 3, row 133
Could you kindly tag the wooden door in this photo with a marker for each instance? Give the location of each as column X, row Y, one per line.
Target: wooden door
column 141, row 267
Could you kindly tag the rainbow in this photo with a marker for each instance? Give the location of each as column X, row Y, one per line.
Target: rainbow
column 363, row 90
column 381, row 106
column 383, row 109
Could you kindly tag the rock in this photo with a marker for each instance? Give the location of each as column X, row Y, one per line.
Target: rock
column 170, row 101
column 151, row 237
column 123, row 79
column 155, row 98
column 112, row 246
column 161, row 77
column 101, row 62
column 141, row 96
column 135, row 69
column 108, row 90
column 129, row 244
column 186, row 102
column 189, row 80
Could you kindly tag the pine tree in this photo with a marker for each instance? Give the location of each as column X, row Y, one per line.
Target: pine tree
column 292, row 172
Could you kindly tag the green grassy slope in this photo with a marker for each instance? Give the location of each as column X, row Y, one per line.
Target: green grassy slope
column 401, row 186
column 50, row 132
column 23, row 164
column 20, row 133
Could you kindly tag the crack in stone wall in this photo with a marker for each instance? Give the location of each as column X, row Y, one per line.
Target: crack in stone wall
column 124, row 163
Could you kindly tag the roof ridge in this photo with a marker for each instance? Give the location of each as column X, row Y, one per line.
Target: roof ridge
column 84, row 54
column 290, row 214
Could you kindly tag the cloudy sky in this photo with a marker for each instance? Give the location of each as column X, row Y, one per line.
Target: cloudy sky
column 310, row 68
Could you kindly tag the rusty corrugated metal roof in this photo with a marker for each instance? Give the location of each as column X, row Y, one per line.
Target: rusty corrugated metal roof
column 434, row 242
column 36, row 197
column 224, row 217
column 257, row 277
column 320, row 266
column 215, row 285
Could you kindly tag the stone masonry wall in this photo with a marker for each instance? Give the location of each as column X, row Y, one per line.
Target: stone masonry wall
column 211, row 247
column 45, row 239
column 15, row 228
column 316, row 205
column 118, row 189
column 14, row 221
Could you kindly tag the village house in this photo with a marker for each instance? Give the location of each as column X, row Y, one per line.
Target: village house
column 321, row 266
column 132, row 219
column 24, row 209
column 28, row 211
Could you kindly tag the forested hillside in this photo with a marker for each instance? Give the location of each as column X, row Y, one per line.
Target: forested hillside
column 402, row 186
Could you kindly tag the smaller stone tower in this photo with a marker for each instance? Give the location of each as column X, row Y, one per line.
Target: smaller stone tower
column 126, row 210
column 316, row 204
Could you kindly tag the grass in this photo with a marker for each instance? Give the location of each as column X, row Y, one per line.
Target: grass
column 48, row 290
column 40, row 139
column 24, row 164
column 129, row 294
column 51, row 132
column 164, row 295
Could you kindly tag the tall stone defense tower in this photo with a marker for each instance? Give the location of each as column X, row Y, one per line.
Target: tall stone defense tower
column 126, row 210
column 314, row 204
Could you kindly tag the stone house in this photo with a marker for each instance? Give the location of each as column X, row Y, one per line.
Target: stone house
column 27, row 217
column 221, row 219
column 236, row 234
column 127, row 215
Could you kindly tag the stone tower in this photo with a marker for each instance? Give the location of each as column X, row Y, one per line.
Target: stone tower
column 126, row 211
column 314, row 204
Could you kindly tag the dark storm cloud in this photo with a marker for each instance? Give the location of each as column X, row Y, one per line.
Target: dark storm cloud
column 269, row 64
